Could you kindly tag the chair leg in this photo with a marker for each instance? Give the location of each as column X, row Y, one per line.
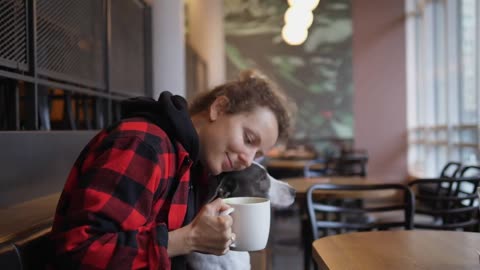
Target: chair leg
column 307, row 244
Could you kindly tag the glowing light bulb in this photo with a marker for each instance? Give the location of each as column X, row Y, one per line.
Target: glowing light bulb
column 294, row 36
column 298, row 17
column 308, row 4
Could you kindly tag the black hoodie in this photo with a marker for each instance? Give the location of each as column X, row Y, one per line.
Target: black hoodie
column 170, row 112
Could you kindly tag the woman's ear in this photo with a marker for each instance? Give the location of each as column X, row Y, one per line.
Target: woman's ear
column 218, row 107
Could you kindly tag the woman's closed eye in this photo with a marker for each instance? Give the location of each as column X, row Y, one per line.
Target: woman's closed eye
column 248, row 138
column 252, row 140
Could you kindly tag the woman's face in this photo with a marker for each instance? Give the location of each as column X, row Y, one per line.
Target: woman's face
column 230, row 142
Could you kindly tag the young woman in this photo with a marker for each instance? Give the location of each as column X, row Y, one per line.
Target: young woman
column 132, row 197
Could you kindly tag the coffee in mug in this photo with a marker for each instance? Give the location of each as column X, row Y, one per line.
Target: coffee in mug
column 251, row 222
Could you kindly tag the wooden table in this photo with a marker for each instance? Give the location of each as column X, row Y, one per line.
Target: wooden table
column 291, row 164
column 284, row 168
column 392, row 250
column 301, row 185
column 291, row 154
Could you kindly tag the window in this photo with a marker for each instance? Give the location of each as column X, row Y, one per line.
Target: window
column 443, row 80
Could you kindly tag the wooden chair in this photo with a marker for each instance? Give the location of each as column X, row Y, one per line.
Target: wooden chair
column 333, row 216
column 452, row 209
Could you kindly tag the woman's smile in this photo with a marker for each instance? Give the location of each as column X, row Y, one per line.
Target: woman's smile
column 227, row 163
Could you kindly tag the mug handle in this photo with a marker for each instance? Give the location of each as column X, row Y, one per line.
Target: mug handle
column 225, row 213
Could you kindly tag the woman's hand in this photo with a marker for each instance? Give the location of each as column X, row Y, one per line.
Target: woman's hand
column 211, row 233
column 207, row 233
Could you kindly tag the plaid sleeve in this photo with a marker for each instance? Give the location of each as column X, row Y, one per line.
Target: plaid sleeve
column 109, row 216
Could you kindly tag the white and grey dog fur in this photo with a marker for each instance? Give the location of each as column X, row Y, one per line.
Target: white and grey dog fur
column 252, row 182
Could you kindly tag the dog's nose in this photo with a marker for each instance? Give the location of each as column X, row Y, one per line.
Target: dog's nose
column 292, row 192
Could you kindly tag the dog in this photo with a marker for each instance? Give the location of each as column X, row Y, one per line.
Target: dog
column 253, row 181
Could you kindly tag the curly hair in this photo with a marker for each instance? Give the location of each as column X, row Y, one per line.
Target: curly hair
column 250, row 91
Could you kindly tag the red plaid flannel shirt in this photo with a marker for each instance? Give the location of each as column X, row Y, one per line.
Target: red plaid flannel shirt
column 127, row 189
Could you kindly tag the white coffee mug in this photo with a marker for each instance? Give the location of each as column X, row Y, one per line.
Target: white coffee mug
column 251, row 222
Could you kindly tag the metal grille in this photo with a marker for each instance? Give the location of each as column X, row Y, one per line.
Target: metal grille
column 127, row 47
column 13, row 34
column 71, row 41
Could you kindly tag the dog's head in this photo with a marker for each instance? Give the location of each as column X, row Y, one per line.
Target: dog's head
column 255, row 181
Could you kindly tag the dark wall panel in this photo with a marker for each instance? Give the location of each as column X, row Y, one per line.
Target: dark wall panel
column 128, row 48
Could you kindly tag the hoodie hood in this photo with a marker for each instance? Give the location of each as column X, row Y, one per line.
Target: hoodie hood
column 169, row 112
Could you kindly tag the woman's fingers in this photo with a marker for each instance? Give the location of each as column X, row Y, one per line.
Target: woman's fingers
column 215, row 250
column 216, row 207
column 212, row 233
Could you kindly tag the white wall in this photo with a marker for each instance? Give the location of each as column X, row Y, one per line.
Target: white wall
column 380, row 87
column 207, row 37
column 168, row 48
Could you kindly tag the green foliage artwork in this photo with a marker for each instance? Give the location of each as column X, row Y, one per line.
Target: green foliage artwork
column 316, row 74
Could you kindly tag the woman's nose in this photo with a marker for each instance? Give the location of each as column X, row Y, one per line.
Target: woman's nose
column 247, row 157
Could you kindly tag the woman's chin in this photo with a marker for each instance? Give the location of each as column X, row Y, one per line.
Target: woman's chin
column 215, row 173
column 211, row 168
column 215, row 170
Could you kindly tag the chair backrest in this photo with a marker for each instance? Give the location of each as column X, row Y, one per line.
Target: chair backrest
column 352, row 166
column 36, row 250
column 315, row 168
column 341, row 215
column 349, row 163
column 470, row 171
column 453, row 208
column 9, row 257
column 450, row 170
column 28, row 250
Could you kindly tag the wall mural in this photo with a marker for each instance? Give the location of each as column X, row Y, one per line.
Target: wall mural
column 316, row 74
